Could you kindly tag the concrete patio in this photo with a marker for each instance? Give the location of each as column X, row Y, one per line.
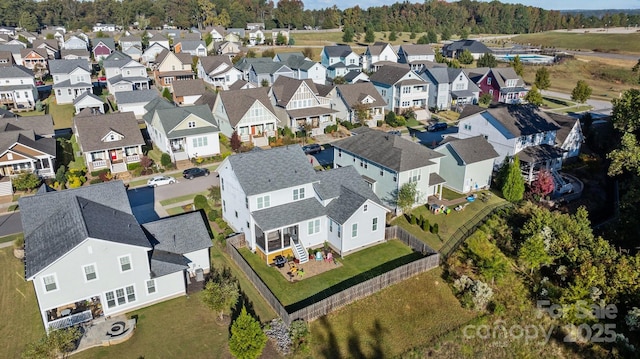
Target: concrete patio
column 106, row 332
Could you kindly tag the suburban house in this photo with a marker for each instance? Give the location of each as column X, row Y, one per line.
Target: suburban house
column 284, row 33
column 455, row 48
column 522, row 130
column 256, row 37
column 133, row 52
column 172, row 67
column 339, row 60
column 57, row 34
column 158, row 38
column 244, row 65
column 266, row 73
column 303, row 68
column 353, row 77
column 71, row 78
column 569, row 137
column 74, row 43
column 89, row 258
column 301, row 105
column 218, row 71
column 254, row 25
column 35, row 59
column 217, row 33
column 234, row 34
column 28, row 145
column 52, row 47
column 503, row 84
column 227, row 48
column 76, row 54
column 182, row 132
column 27, row 35
column 103, row 47
column 187, row 92
column 104, row 27
column 387, row 162
column 130, row 41
column 467, row 164
column 377, row 55
column 401, row 88
column 358, row 100
column 6, row 58
column 191, row 47
column 124, row 74
column 17, row 88
column 14, row 50
column 298, row 208
column 135, row 101
column 248, row 112
column 151, row 53
column 449, row 87
column 415, row 55
column 88, row 100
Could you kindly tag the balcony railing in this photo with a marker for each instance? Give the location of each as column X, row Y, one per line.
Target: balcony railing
column 70, row 320
column 133, row 158
column 99, row 163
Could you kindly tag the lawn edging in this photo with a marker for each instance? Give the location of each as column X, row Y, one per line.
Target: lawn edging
column 430, row 259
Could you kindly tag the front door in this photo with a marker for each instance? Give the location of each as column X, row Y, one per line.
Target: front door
column 113, row 154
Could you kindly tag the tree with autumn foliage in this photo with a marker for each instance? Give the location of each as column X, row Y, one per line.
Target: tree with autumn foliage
column 544, row 184
column 236, row 142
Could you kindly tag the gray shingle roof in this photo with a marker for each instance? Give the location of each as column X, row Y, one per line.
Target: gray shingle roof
column 391, row 74
column 107, row 41
column 238, row 102
column 414, row 50
column 268, row 67
column 191, row 45
column 287, row 214
column 76, row 52
column 138, row 96
column 270, row 170
column 163, row 263
column 85, row 95
column 56, row 222
column 338, row 50
column 156, row 104
column 392, row 152
column 116, row 59
column 93, row 128
column 523, row 120
column 354, row 94
column 435, row 179
column 171, row 117
column 540, row 153
column 475, row 47
column 179, row 234
column 15, row 71
column 210, row 63
column 473, row 149
column 566, row 124
column 285, row 87
column 66, row 66
column 188, row 87
column 41, row 125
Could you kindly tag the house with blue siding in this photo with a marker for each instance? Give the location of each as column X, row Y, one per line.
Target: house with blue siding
column 467, row 164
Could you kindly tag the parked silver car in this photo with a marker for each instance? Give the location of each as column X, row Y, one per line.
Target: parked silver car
column 160, row 180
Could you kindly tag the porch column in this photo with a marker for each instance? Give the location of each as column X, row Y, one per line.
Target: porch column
column 50, row 164
column 440, row 192
column 531, row 165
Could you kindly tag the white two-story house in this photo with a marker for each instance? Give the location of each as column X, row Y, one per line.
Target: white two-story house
column 377, row 55
column 302, row 67
column 89, row 258
column 248, row 112
column 401, row 87
column 339, row 60
column 124, row 74
column 387, row 162
column 415, row 55
column 182, row 132
column 359, row 102
column 71, row 78
column 17, row 88
column 449, row 87
column 218, row 71
column 284, row 207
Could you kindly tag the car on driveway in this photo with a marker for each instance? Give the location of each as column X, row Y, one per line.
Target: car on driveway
column 311, row 149
column 191, row 173
column 438, row 126
column 160, row 181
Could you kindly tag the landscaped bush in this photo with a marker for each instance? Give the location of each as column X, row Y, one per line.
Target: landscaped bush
column 413, row 219
column 95, row 180
column 331, row 129
column 133, row 166
column 26, row 181
column 97, row 173
column 212, row 215
column 200, row 202
column 379, row 123
column 434, row 228
column 425, row 225
column 165, row 160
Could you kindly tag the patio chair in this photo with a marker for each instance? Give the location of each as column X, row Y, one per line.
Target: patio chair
column 329, row 257
column 319, row 256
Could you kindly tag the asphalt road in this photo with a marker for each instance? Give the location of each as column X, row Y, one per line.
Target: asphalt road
column 600, row 107
column 10, row 224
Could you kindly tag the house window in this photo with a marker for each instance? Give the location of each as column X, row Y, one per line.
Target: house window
column 384, row 92
column 366, row 207
column 488, row 80
column 467, row 127
column 224, row 206
column 313, row 226
column 112, row 137
column 131, row 294
column 120, row 295
column 339, row 230
column 151, row 286
column 248, row 226
column 330, row 225
column 414, row 176
column 374, row 224
column 236, row 214
column 354, row 230
column 200, row 142
column 111, row 300
column 395, row 179
column 405, row 103
column 222, row 183
column 406, row 89
column 59, row 92
column 264, row 202
column 298, row 193
column 491, row 92
column 339, row 153
column 9, row 156
column 50, row 283
column 90, row 272
column 125, row 263
column 246, row 202
column 192, row 124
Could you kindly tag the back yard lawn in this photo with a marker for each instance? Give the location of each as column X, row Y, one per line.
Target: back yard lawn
column 367, row 262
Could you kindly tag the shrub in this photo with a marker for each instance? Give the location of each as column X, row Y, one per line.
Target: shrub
column 212, row 215
column 95, row 180
column 413, row 219
column 425, row 225
column 200, row 202
column 379, row 123
column 165, row 160
column 26, row 181
column 434, row 228
column 133, row 166
column 330, row 129
column 97, row 173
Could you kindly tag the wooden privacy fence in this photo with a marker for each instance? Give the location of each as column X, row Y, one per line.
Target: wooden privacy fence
column 429, row 260
column 463, row 232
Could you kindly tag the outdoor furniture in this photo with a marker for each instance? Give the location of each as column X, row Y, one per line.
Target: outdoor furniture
column 434, row 208
column 65, row 312
column 329, row 257
column 279, row 261
column 319, row 256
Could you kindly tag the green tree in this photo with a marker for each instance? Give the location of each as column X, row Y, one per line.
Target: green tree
column 268, row 53
column 370, row 36
column 581, row 92
column 423, row 40
column 532, row 255
column 264, row 83
column 636, row 69
column 513, row 187
column 542, row 78
column 247, row 338
column 485, row 99
column 307, row 52
column 200, row 202
column 236, row 142
column 26, row 181
column 281, row 39
column 445, row 34
column 58, row 344
column 517, row 65
column 393, row 36
column 220, row 295
column 464, row 34
column 439, row 58
column 288, row 13
column 339, row 80
column 407, row 196
column 292, row 41
column 432, row 37
column 487, row 60
column 166, row 93
column 214, row 194
column 348, row 34
column 534, row 96
column 165, row 160
column 465, row 57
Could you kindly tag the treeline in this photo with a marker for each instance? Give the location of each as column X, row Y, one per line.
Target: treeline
column 463, row 17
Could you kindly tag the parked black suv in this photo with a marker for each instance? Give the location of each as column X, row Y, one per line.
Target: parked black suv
column 190, row 173
column 438, row 126
column 311, row 149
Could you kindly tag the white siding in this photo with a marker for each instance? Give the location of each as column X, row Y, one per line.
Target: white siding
column 365, row 234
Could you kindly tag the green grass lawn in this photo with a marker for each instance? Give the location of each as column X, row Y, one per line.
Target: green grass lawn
column 370, row 261
column 186, row 197
column 385, row 325
column 554, row 102
column 447, row 224
column 577, row 109
column 412, row 122
column 11, row 237
column 62, row 114
column 174, row 210
column 32, row 113
column 589, row 41
column 21, row 322
column 78, row 162
column 446, row 116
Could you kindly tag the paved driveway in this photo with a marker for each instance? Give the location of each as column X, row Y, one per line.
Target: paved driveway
column 10, row 224
column 429, row 138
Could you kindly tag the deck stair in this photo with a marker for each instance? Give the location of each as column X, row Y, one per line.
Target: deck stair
column 300, row 252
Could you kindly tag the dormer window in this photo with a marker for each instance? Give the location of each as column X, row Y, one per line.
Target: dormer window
column 112, row 137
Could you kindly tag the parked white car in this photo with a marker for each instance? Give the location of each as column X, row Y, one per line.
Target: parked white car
column 160, row 180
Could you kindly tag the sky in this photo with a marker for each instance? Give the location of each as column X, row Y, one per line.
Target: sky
column 545, row 4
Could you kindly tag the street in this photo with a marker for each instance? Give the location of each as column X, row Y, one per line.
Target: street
column 600, row 107
column 10, row 224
